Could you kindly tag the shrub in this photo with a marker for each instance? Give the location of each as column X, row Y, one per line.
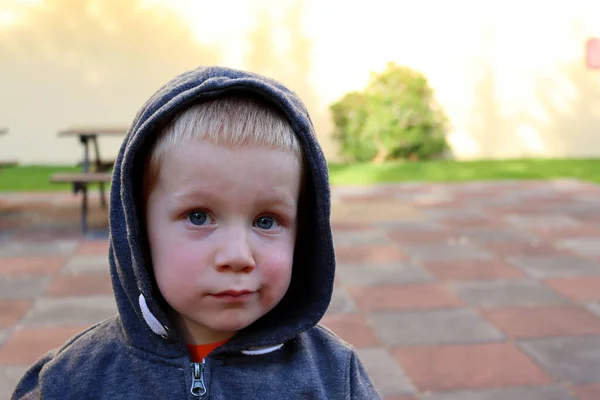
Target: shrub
column 395, row 117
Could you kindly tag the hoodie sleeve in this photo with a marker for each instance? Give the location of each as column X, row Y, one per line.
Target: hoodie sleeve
column 359, row 383
column 29, row 387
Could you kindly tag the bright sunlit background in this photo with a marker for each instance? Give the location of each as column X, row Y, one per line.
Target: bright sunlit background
column 510, row 74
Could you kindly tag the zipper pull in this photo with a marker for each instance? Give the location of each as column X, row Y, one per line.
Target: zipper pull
column 198, row 388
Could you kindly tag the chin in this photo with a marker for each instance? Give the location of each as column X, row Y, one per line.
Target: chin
column 232, row 324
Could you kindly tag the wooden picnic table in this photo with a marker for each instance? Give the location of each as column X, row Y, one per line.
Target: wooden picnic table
column 100, row 173
column 90, row 134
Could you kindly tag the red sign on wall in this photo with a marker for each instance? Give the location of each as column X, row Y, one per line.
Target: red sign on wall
column 592, row 53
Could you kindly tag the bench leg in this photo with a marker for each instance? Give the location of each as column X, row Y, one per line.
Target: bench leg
column 102, row 195
column 84, row 205
column 99, row 169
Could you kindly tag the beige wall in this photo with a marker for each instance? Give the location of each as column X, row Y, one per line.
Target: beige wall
column 510, row 74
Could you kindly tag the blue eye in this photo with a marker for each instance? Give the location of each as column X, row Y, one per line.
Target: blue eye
column 198, row 217
column 265, row 222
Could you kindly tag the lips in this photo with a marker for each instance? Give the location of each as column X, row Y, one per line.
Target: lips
column 233, row 293
column 234, row 296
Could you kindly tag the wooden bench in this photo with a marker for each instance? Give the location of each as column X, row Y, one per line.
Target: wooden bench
column 80, row 182
column 7, row 164
column 99, row 166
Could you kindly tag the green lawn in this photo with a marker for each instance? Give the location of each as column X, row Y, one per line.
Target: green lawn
column 33, row 178
column 460, row 171
column 36, row 178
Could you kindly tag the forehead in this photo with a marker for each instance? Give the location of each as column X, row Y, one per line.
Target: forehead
column 244, row 173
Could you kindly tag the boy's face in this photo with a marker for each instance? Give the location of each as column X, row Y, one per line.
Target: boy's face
column 222, row 228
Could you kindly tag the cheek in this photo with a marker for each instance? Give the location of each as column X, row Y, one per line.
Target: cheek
column 276, row 266
column 176, row 263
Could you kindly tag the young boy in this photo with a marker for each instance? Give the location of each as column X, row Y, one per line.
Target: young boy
column 221, row 257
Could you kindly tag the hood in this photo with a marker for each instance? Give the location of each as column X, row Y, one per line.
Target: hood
column 140, row 305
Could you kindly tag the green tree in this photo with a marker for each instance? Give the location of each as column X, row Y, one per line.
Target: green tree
column 395, row 117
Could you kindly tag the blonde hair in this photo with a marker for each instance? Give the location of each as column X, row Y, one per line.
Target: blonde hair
column 232, row 121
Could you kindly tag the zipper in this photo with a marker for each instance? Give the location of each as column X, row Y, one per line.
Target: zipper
column 198, row 388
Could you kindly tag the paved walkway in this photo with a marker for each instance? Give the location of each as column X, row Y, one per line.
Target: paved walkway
column 449, row 292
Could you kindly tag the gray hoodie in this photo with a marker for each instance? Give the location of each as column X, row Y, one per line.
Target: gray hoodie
column 138, row 353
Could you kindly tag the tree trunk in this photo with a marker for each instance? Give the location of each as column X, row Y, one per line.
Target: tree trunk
column 381, row 155
column 382, row 152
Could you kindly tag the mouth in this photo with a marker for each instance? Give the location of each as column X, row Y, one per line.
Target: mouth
column 234, row 295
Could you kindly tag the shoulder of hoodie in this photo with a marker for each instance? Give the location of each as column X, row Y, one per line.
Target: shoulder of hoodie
column 104, row 343
column 322, row 340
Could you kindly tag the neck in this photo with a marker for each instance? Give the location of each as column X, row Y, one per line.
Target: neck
column 197, row 334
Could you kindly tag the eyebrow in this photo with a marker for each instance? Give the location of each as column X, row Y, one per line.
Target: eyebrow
column 271, row 197
column 187, row 196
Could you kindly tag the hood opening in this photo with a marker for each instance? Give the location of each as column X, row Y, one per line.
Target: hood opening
column 311, row 285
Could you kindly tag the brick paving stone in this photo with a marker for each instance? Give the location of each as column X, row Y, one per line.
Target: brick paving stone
column 396, row 297
column 370, row 254
column 378, row 211
column 356, row 190
column 9, row 378
column 79, row 285
column 571, row 359
column 446, row 252
column 410, row 226
column 353, row 328
column 534, row 247
column 27, row 345
column 93, row 247
column 87, row 310
column 588, row 392
column 341, row 226
column 381, row 274
column 577, row 288
column 429, row 202
column 588, row 215
column 588, row 246
column 445, row 213
column 472, row 270
column 341, row 302
column 11, row 311
column 533, row 322
column 31, row 265
column 593, row 307
column 4, row 333
column 360, row 238
column 455, row 326
column 375, row 194
column 439, row 368
column 506, row 293
column 495, row 234
column 585, row 230
column 22, row 287
column 526, row 393
column 384, row 371
column 49, row 232
column 38, row 249
column 553, row 266
column 87, row 264
column 5, row 236
column 421, row 236
column 543, row 221
column 574, row 208
column 474, row 223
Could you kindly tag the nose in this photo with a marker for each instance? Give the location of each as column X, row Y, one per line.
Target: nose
column 234, row 252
